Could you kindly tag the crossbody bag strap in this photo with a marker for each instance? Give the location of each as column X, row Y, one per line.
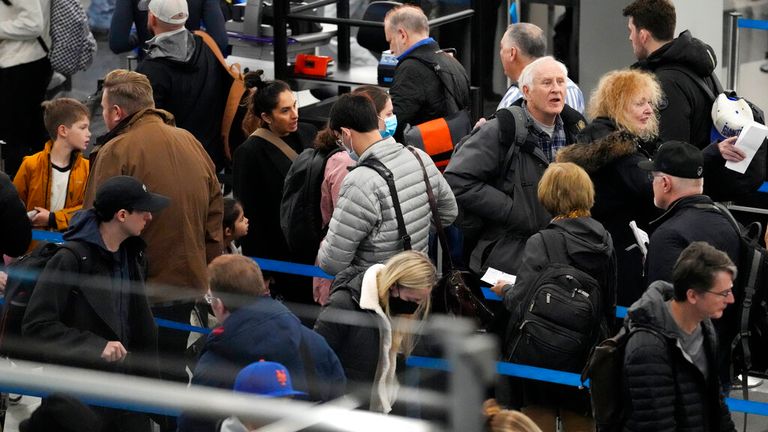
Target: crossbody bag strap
column 388, row 177
column 40, row 39
column 267, row 134
column 435, row 213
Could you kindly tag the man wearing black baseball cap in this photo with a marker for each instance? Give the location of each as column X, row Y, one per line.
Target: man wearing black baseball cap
column 677, row 174
column 690, row 216
column 89, row 307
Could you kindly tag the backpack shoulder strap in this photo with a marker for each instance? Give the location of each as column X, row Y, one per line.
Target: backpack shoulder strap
column 208, row 40
column 435, row 67
column 236, row 91
column 387, row 175
column 81, row 251
column 697, row 79
column 512, row 132
column 723, row 210
column 554, row 245
column 278, row 142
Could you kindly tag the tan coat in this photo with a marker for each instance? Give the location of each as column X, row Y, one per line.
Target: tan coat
column 185, row 236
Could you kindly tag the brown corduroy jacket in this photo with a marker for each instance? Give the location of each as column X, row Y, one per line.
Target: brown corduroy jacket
column 184, row 237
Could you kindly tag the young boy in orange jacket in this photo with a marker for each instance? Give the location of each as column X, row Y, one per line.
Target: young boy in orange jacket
column 51, row 183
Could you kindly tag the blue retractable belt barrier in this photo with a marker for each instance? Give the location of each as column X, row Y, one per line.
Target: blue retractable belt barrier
column 167, row 324
column 180, row 326
column 565, row 378
column 753, row 24
column 299, row 269
column 502, row 368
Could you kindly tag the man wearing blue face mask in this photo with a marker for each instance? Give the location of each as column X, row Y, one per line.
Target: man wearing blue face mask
column 363, row 230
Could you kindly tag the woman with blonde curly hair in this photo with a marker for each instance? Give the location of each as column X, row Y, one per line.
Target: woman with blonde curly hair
column 624, row 131
column 368, row 351
column 625, row 100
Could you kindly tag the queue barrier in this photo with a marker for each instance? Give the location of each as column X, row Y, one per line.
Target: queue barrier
column 753, row 24
column 502, row 368
column 295, row 268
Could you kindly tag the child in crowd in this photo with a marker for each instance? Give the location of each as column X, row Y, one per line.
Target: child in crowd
column 51, row 183
column 235, row 225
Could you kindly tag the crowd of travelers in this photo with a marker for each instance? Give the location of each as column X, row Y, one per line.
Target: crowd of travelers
column 557, row 201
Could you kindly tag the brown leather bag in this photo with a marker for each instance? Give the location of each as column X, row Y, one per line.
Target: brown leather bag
column 451, row 295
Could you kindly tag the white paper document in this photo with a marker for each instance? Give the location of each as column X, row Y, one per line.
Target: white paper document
column 641, row 237
column 750, row 139
column 492, row 276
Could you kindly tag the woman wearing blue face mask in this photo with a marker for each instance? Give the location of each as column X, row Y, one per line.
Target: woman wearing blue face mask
column 384, row 108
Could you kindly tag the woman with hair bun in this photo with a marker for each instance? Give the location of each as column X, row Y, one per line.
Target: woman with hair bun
column 401, row 287
column 259, row 167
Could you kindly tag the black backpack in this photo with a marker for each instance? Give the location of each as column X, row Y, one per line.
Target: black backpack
column 749, row 348
column 300, row 217
column 605, row 371
column 23, row 275
column 563, row 315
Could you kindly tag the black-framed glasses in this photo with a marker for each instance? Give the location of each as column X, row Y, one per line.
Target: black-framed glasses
column 723, row 294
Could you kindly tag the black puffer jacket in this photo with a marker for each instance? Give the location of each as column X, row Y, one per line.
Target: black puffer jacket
column 666, row 391
column 623, row 193
column 418, row 95
column 685, row 109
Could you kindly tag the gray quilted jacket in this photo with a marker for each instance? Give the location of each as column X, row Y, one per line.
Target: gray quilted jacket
column 363, row 229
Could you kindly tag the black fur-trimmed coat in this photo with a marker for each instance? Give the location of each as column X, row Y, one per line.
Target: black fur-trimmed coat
column 623, row 193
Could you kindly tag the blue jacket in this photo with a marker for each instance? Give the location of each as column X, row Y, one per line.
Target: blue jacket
column 267, row 330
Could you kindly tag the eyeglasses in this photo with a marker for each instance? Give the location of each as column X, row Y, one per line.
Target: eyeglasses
column 723, row 294
column 652, row 175
column 209, row 298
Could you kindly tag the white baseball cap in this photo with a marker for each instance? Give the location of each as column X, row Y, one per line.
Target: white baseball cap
column 730, row 115
column 167, row 11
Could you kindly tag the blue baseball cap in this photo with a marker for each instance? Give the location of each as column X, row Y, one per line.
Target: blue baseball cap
column 266, row 379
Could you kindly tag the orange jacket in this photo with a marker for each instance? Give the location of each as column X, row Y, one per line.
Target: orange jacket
column 33, row 181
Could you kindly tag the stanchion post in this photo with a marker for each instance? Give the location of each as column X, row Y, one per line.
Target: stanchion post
column 473, row 367
column 733, row 53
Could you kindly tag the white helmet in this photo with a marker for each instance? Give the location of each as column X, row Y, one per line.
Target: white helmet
column 730, row 115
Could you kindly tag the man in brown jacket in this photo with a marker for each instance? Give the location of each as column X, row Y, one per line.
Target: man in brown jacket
column 144, row 142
